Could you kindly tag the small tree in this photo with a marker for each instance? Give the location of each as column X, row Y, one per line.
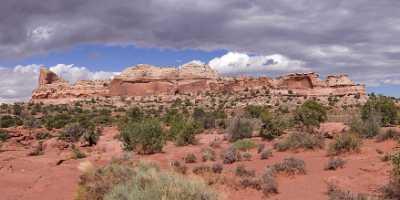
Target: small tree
column 145, row 137
column 240, row 128
column 382, row 107
column 310, row 114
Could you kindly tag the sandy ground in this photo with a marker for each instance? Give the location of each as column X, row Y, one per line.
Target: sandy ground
column 25, row 177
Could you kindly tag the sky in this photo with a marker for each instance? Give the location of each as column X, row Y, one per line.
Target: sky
column 96, row 39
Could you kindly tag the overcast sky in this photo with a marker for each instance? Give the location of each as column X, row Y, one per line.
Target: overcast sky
column 358, row 37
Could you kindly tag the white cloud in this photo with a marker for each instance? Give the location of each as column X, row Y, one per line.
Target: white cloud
column 74, row 73
column 239, row 63
column 18, row 83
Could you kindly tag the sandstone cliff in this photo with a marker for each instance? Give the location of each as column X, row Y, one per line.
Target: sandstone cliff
column 194, row 80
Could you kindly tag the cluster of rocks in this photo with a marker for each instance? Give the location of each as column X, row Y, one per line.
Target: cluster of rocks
column 199, row 84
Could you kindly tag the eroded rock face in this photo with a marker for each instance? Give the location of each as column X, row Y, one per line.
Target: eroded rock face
column 146, row 80
column 53, row 89
column 164, row 83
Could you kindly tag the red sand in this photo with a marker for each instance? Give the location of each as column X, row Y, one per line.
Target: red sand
column 25, row 177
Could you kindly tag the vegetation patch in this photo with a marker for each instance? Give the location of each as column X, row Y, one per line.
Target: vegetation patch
column 344, row 143
column 244, row 144
column 335, row 163
column 298, row 140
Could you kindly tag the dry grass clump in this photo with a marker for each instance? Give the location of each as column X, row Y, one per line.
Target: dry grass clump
column 335, row 163
column 290, row 166
column 242, row 171
column 387, row 135
column 143, row 181
column 344, row 143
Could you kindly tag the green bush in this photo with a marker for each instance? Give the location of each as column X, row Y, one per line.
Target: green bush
column 183, row 133
column 254, row 111
column 239, row 128
column 134, row 114
column 346, row 142
column 4, row 136
column 244, row 144
column 310, row 114
column 42, row 135
column 72, row 132
column 57, row 121
column 382, row 107
column 145, row 137
column 272, row 126
column 7, row 121
column 365, row 128
column 298, row 140
column 190, row 158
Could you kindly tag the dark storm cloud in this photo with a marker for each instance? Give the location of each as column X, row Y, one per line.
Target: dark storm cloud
column 359, row 37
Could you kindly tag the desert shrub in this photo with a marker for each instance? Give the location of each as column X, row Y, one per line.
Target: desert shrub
column 246, row 156
column 230, row 156
column 239, row 128
column 272, row 126
column 208, row 120
column 4, row 136
column 31, row 122
column 254, row 111
column 190, row 158
column 388, row 134
column 241, row 171
column 76, row 153
column 251, row 182
column 392, row 189
column 72, row 132
column 91, row 135
column 178, row 167
column 172, row 116
column 201, row 169
column 7, row 121
column 217, row 168
column 134, row 114
column 310, row 114
column 94, row 184
column 208, row 154
column 145, row 137
column 346, row 142
column 335, row 163
column 298, row 140
column 265, row 154
column 365, row 128
column 184, row 133
column 150, row 183
column 268, row 182
column 382, row 107
column 290, row 166
column 244, row 144
column 57, row 121
column 335, row 193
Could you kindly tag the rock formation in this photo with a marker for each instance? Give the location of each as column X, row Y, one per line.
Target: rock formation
column 146, row 83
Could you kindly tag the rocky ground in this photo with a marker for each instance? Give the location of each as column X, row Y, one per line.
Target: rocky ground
column 53, row 176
